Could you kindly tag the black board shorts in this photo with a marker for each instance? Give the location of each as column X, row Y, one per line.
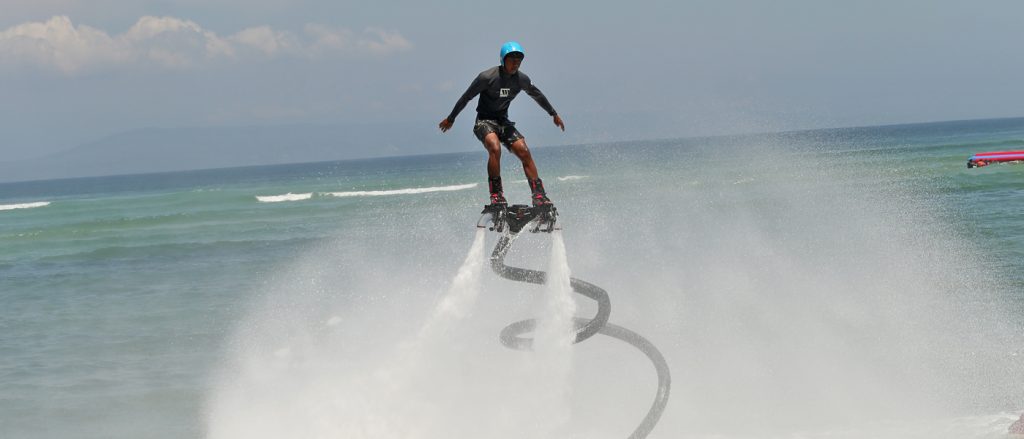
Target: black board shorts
column 507, row 132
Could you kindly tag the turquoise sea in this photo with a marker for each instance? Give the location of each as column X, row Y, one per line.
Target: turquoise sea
column 842, row 283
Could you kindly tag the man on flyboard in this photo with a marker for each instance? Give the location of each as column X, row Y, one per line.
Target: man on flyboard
column 497, row 87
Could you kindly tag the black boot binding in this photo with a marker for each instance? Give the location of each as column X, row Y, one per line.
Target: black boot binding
column 540, row 197
column 497, row 195
column 514, row 218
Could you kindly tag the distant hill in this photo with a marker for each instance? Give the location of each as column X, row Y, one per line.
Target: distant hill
column 176, row 149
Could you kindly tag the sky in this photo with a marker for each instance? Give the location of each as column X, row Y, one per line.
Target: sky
column 74, row 71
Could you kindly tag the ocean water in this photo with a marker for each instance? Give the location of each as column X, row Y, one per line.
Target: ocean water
column 833, row 283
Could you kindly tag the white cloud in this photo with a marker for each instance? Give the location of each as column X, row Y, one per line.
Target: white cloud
column 176, row 43
column 267, row 40
column 385, row 42
column 372, row 41
column 60, row 44
column 325, row 38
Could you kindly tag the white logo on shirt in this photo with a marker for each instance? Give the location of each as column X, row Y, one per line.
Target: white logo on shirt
column 504, row 92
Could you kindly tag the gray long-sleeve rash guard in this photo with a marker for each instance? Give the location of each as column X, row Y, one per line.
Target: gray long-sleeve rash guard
column 497, row 89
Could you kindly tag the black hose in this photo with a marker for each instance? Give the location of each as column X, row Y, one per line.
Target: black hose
column 584, row 328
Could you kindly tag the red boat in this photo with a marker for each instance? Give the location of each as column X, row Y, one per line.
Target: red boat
column 986, row 158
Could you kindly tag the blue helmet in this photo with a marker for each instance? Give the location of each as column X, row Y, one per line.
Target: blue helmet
column 510, row 47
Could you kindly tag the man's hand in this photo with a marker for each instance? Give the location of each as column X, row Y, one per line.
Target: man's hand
column 446, row 125
column 558, row 122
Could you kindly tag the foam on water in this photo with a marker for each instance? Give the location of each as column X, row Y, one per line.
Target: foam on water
column 991, row 426
column 408, row 191
column 286, row 197
column 24, row 205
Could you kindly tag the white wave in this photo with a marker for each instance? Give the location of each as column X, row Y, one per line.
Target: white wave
column 24, row 205
column 573, row 177
column 286, row 197
column 408, row 191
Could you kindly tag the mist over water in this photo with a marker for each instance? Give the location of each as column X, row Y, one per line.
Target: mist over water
column 799, row 295
column 387, row 362
column 793, row 294
column 839, row 283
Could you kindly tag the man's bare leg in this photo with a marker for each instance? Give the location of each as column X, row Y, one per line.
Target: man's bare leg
column 522, row 151
column 493, row 147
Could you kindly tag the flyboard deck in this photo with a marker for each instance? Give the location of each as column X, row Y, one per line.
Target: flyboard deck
column 986, row 158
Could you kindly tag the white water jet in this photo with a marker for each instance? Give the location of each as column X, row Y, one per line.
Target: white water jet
column 461, row 296
column 552, row 346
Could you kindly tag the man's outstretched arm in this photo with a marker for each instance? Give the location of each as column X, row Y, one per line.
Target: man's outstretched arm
column 474, row 89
